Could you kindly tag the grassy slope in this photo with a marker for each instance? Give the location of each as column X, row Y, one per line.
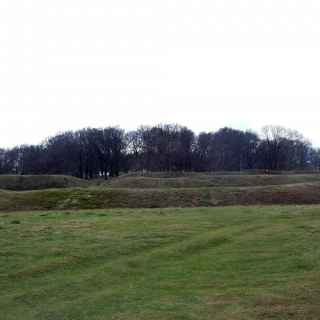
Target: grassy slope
column 197, row 180
column 99, row 198
column 36, row 182
column 195, row 190
column 239, row 263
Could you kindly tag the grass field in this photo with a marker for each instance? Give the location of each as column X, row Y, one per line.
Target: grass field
column 181, row 259
column 205, row 263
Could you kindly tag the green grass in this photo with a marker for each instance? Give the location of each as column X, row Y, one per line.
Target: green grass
column 39, row 182
column 227, row 263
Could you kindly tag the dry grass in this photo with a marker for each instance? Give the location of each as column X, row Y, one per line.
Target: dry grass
column 39, row 182
column 100, row 197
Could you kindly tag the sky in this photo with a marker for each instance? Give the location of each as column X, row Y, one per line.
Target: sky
column 68, row 64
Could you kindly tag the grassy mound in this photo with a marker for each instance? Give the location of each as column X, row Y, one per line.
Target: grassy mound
column 181, row 174
column 235, row 263
column 195, row 190
column 99, row 198
column 199, row 180
column 38, row 182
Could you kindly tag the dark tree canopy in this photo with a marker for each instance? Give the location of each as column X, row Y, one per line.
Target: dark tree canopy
column 104, row 152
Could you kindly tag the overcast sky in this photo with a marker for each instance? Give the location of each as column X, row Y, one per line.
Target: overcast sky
column 205, row 64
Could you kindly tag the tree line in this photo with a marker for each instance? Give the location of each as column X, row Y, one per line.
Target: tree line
column 104, row 152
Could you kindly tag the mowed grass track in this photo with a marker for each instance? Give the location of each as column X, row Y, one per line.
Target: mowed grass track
column 227, row 263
